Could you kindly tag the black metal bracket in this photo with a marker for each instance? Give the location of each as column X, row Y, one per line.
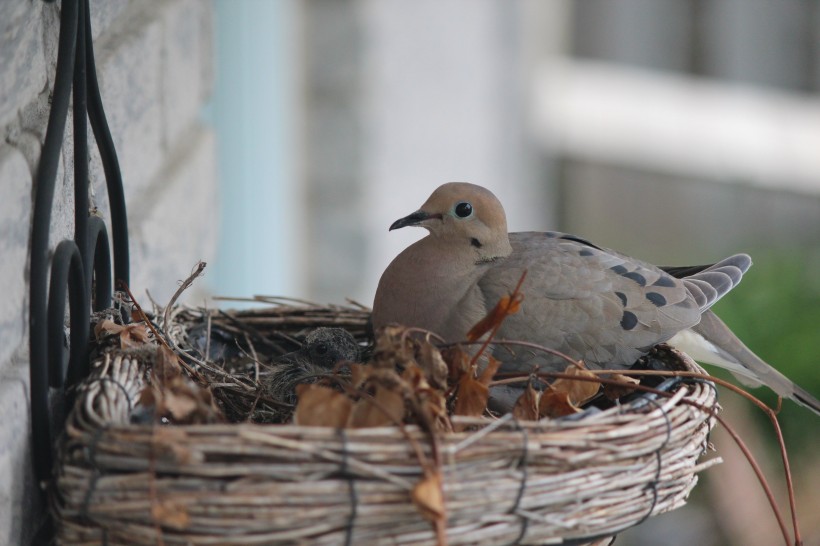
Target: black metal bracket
column 80, row 265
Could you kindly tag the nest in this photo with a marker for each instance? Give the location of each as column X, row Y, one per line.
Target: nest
column 126, row 478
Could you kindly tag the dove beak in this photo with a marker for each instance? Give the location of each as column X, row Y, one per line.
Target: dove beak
column 413, row 219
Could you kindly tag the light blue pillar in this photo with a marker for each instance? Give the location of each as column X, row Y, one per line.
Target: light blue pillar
column 253, row 112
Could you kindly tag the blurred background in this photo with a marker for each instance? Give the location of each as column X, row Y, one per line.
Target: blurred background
column 676, row 131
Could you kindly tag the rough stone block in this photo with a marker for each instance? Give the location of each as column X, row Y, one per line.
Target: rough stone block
column 129, row 70
column 174, row 224
column 15, row 220
column 104, row 13
column 22, row 61
column 18, row 489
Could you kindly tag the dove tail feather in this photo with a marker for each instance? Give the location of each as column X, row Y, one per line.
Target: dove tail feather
column 804, row 398
column 710, row 284
column 730, row 353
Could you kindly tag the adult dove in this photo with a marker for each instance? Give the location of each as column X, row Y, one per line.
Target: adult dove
column 588, row 302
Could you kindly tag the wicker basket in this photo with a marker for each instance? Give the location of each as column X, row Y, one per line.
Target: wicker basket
column 564, row 481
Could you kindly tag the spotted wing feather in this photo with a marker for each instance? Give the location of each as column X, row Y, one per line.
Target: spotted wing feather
column 585, row 301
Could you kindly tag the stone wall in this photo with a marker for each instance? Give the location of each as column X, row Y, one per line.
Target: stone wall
column 154, row 63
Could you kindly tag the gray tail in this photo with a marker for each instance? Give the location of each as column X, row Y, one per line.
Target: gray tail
column 730, row 348
column 711, row 283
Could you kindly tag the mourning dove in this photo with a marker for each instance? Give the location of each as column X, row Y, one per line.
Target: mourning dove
column 585, row 301
column 322, row 350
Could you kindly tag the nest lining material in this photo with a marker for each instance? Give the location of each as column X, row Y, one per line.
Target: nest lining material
column 562, row 481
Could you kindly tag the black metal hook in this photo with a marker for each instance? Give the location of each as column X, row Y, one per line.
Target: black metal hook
column 74, row 263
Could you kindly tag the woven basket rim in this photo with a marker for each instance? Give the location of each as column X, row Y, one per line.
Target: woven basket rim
column 503, row 481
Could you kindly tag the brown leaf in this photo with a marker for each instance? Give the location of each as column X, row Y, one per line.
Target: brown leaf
column 358, row 374
column 131, row 335
column 107, row 326
column 415, row 378
column 183, row 402
column 458, row 362
column 488, row 372
column 385, row 407
column 180, row 402
column 320, row 406
column 473, row 393
column 428, row 496
column 554, row 404
column 472, row 396
column 428, row 403
column 565, row 396
column 134, row 335
column 394, row 348
column 174, row 396
column 579, row 392
column 526, row 407
column 166, row 365
column 430, row 361
column 506, row 306
column 614, row 392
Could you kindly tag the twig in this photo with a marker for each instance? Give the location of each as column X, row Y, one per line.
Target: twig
column 254, row 357
column 197, row 271
column 207, row 355
column 160, row 338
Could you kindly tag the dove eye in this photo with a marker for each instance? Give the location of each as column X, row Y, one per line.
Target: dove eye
column 463, row 209
column 321, row 349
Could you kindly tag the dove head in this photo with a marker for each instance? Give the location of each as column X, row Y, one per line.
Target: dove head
column 464, row 215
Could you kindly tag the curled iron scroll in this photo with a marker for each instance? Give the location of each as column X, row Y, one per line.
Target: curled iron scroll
column 82, row 263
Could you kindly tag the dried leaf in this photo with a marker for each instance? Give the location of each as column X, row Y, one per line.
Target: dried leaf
column 181, row 403
column 386, row 407
column 458, row 362
column 430, row 361
column 172, row 395
column 428, row 497
column 488, row 372
column 526, row 407
column 472, row 397
column 131, row 335
column 473, row 393
column 614, row 392
column 415, row 379
column 433, row 408
column 166, row 365
column 554, row 404
column 320, row 406
column 358, row 374
column 107, row 326
column 565, row 396
column 394, row 348
column 506, row 306
column 426, row 402
column 147, row 398
column 579, row 392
